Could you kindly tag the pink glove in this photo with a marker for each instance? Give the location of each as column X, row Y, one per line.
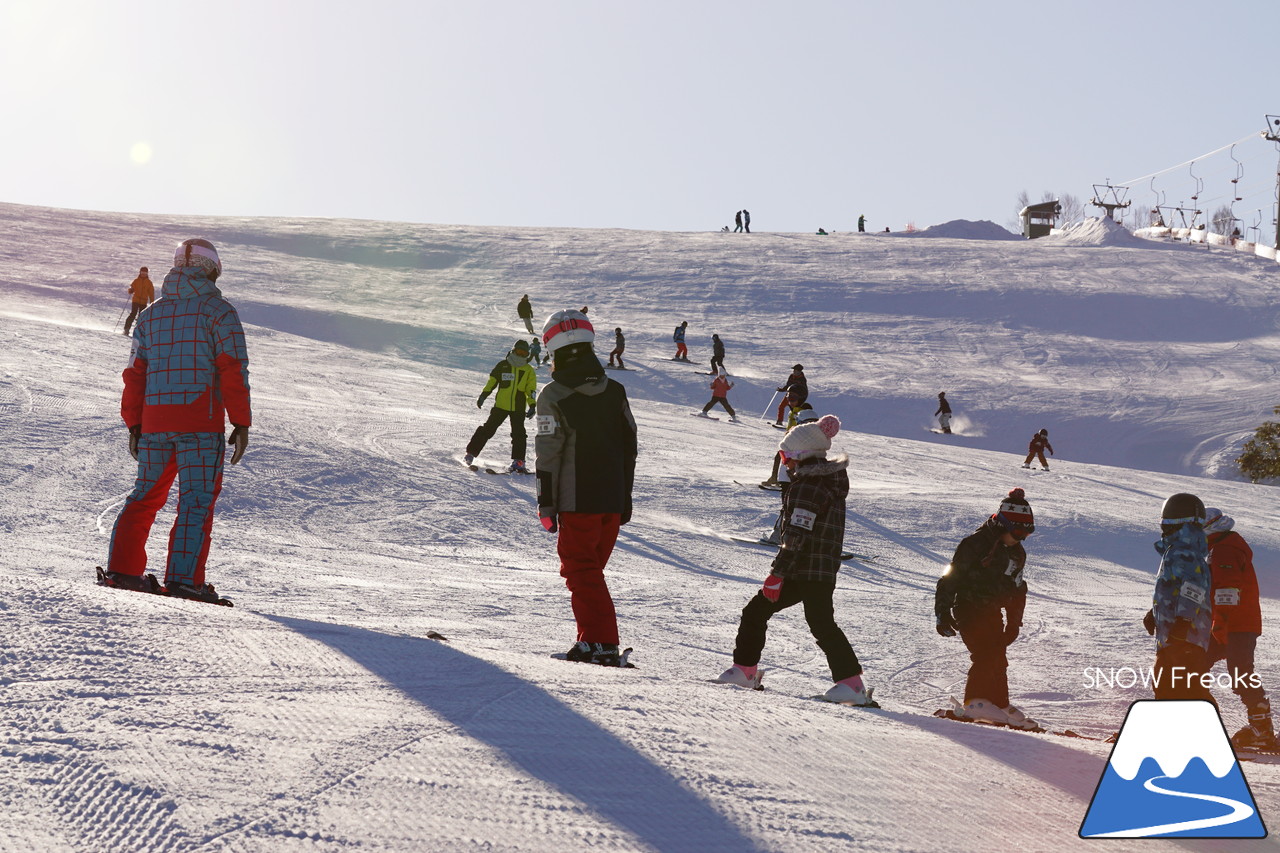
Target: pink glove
column 772, row 587
column 549, row 523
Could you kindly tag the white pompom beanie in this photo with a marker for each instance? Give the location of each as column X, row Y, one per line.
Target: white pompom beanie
column 812, row 439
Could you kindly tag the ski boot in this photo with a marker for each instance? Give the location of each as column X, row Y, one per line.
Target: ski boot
column 468, row 458
column 204, row 592
column 737, row 675
column 603, row 654
column 1016, row 719
column 851, row 691
column 1259, row 735
column 136, row 583
column 517, row 467
column 983, row 711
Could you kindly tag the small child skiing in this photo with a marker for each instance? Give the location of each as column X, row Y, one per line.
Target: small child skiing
column 682, row 351
column 586, row 463
column 806, row 566
column 535, row 352
column 517, row 383
column 1039, row 444
column 944, row 412
column 720, row 394
column 717, row 356
column 619, row 344
column 982, row 595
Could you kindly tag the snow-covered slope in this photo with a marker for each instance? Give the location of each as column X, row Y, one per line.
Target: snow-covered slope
column 317, row 715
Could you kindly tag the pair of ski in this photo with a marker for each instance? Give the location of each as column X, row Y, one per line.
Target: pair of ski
column 821, row 697
column 707, row 417
column 768, row 486
column 150, row 584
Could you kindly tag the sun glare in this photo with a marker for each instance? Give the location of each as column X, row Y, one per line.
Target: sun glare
column 141, row 153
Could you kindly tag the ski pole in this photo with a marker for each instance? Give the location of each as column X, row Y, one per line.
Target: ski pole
column 118, row 319
column 768, row 407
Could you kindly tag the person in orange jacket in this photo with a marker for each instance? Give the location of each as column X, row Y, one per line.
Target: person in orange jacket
column 1237, row 623
column 144, row 293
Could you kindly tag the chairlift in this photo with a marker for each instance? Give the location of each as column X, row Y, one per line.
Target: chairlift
column 1235, row 182
column 1191, row 167
column 1109, row 198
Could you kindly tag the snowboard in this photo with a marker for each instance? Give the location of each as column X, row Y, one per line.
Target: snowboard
column 149, row 584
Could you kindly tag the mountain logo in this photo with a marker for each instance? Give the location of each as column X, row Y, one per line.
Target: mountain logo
column 1172, row 774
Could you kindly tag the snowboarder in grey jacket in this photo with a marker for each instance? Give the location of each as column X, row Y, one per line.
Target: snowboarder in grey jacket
column 586, row 446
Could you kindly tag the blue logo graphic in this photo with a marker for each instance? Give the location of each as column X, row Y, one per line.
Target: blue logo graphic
column 1172, row 774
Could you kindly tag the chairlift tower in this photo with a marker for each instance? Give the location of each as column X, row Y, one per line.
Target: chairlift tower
column 1109, row 198
column 1272, row 133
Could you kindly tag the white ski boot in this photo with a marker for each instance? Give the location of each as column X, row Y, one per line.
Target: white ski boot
column 735, row 675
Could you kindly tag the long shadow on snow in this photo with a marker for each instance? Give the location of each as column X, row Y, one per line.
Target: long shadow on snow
column 538, row 733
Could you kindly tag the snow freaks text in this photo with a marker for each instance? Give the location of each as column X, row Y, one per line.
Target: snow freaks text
column 1125, row 677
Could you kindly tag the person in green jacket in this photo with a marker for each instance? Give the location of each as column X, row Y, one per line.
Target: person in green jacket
column 517, row 384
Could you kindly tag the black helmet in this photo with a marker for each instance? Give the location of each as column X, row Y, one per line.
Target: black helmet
column 521, row 346
column 1181, row 509
column 797, row 367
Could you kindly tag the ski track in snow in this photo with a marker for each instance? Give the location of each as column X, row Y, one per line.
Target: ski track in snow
column 316, row 714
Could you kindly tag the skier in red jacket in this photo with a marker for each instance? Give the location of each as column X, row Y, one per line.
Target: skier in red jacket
column 1237, row 623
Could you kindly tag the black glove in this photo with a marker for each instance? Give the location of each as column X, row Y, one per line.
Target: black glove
column 529, row 414
column 480, row 400
column 135, row 433
column 1149, row 622
column 239, row 439
column 946, row 624
column 1011, row 633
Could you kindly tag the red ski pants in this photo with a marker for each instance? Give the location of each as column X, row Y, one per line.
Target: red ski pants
column 195, row 460
column 585, row 542
column 682, row 351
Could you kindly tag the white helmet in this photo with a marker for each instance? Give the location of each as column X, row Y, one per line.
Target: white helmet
column 567, row 327
column 198, row 253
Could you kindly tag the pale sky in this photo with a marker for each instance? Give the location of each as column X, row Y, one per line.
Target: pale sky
column 656, row 115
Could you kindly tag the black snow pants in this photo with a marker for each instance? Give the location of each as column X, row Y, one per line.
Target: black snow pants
column 819, row 612
column 485, row 431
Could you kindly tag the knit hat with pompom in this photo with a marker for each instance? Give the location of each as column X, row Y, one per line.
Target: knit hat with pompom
column 1014, row 514
column 812, row 439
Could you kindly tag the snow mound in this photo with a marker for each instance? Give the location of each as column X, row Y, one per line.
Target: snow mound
column 965, row 229
column 1095, row 231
